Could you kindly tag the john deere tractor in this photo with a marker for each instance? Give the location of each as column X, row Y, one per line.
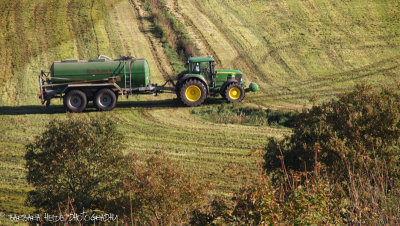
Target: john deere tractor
column 201, row 79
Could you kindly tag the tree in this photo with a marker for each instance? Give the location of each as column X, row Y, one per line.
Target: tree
column 77, row 162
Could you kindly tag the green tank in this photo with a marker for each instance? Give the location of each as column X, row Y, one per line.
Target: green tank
column 130, row 72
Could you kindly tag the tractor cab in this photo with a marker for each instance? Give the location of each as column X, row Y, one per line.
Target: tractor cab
column 201, row 79
column 203, row 66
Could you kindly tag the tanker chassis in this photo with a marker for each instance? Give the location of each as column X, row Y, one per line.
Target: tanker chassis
column 102, row 80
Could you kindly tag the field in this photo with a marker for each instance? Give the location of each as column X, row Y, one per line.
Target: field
column 299, row 52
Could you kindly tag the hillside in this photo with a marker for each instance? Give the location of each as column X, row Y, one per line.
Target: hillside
column 297, row 51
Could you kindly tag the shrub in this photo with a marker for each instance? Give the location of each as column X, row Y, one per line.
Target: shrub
column 356, row 138
column 268, row 203
column 253, row 205
column 361, row 124
column 238, row 114
column 76, row 163
column 161, row 192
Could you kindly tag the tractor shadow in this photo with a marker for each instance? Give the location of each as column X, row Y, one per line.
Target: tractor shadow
column 169, row 103
column 59, row 109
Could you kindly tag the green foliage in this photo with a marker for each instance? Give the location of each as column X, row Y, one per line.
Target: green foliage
column 161, row 192
column 362, row 124
column 268, row 203
column 311, row 203
column 253, row 205
column 357, row 139
column 173, row 57
column 236, row 113
column 76, row 163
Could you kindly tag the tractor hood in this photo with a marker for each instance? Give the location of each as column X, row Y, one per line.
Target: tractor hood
column 228, row 71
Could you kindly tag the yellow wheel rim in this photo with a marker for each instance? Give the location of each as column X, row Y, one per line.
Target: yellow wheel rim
column 193, row 93
column 234, row 93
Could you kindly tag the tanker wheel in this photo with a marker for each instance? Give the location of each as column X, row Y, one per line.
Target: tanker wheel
column 193, row 93
column 234, row 92
column 105, row 100
column 75, row 101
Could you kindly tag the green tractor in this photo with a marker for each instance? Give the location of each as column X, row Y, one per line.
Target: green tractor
column 201, row 78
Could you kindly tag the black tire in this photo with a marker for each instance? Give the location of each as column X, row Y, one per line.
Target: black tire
column 193, row 92
column 178, row 91
column 223, row 94
column 75, row 101
column 234, row 92
column 105, row 100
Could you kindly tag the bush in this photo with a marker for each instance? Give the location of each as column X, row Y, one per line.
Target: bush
column 239, row 114
column 267, row 203
column 253, row 205
column 361, row 124
column 76, row 163
column 161, row 192
column 357, row 139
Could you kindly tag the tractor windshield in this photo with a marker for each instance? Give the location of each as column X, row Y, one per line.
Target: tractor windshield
column 201, row 68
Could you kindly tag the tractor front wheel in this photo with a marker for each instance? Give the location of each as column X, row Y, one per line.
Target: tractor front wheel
column 234, row 92
column 193, row 93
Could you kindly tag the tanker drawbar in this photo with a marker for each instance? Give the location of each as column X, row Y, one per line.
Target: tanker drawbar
column 103, row 79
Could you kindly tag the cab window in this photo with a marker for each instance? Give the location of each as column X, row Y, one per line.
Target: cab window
column 196, row 68
column 205, row 68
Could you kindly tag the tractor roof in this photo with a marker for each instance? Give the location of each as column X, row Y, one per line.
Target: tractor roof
column 200, row 59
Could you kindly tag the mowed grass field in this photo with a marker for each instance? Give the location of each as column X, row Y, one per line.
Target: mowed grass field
column 297, row 51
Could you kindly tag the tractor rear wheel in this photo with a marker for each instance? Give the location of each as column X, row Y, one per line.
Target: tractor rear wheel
column 193, row 92
column 234, row 92
column 75, row 101
column 178, row 91
column 223, row 94
column 105, row 100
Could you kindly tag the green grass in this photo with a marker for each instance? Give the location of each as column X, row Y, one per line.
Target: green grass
column 299, row 52
column 238, row 113
column 169, row 31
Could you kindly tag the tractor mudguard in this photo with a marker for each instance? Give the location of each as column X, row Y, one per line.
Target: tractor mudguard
column 180, row 82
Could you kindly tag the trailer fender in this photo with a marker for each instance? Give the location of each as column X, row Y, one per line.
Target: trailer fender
column 86, row 86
